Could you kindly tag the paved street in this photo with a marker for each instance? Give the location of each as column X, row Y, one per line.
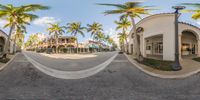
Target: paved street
column 119, row 81
column 70, row 64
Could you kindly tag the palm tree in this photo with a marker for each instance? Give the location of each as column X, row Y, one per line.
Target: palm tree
column 196, row 11
column 18, row 38
column 32, row 40
column 123, row 24
column 17, row 16
column 131, row 10
column 56, row 30
column 75, row 28
column 95, row 29
column 122, row 38
column 110, row 41
column 100, row 37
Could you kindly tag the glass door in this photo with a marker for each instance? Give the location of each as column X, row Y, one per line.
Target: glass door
column 158, row 48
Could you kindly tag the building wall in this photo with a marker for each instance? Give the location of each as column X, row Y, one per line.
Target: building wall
column 163, row 24
column 5, row 36
column 158, row 25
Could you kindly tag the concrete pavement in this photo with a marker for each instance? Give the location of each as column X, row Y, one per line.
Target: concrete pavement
column 68, row 74
column 70, row 64
column 119, row 81
column 189, row 68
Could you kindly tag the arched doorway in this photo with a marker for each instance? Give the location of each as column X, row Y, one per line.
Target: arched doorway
column 2, row 43
column 61, row 48
column 54, row 49
column 189, row 46
column 71, row 49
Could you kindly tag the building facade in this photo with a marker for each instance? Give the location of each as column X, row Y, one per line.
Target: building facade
column 157, row 37
column 3, row 39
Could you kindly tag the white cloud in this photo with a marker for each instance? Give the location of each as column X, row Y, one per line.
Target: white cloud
column 44, row 21
column 198, row 21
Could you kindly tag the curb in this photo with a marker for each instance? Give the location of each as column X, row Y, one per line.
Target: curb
column 70, row 74
column 160, row 75
column 2, row 68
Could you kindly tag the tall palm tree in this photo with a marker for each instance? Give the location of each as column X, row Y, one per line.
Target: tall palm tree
column 95, row 28
column 32, row 40
column 18, row 38
column 110, row 40
column 75, row 28
column 196, row 11
column 56, row 30
column 17, row 16
column 131, row 10
column 122, row 38
column 100, row 37
column 123, row 25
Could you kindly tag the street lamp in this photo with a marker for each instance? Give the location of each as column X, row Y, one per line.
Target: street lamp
column 176, row 66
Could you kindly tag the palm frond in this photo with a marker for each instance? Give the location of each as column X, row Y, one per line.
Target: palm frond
column 192, row 4
column 3, row 7
column 196, row 16
column 34, row 7
column 114, row 12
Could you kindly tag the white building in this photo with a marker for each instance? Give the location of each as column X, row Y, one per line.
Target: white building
column 3, row 39
column 157, row 37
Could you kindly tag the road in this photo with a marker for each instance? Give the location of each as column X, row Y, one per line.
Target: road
column 70, row 64
column 20, row 80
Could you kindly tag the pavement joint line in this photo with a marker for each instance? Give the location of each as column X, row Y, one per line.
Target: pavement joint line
column 70, row 74
column 4, row 66
column 160, row 75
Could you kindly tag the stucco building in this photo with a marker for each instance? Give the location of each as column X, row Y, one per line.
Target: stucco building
column 3, row 39
column 157, row 37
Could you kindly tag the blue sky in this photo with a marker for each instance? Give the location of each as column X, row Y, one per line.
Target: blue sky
column 86, row 11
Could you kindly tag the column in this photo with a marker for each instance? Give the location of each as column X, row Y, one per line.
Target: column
column 180, row 47
column 198, row 48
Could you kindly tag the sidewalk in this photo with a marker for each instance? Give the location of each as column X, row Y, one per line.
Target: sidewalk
column 189, row 67
column 3, row 65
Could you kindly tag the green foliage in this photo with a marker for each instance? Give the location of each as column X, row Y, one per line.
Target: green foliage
column 123, row 24
column 196, row 11
column 56, row 30
column 158, row 64
column 4, row 60
column 131, row 9
column 33, row 39
column 75, row 28
column 196, row 59
column 95, row 28
column 18, row 17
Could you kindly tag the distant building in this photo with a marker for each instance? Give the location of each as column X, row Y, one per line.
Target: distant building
column 67, row 44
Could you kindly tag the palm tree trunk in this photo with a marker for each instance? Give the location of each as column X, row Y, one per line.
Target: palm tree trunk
column 127, row 51
column 76, row 45
column 56, row 45
column 139, row 56
column 8, row 40
column 124, row 32
column 123, row 47
column 14, row 45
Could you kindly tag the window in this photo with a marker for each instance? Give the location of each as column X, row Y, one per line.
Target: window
column 148, row 47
